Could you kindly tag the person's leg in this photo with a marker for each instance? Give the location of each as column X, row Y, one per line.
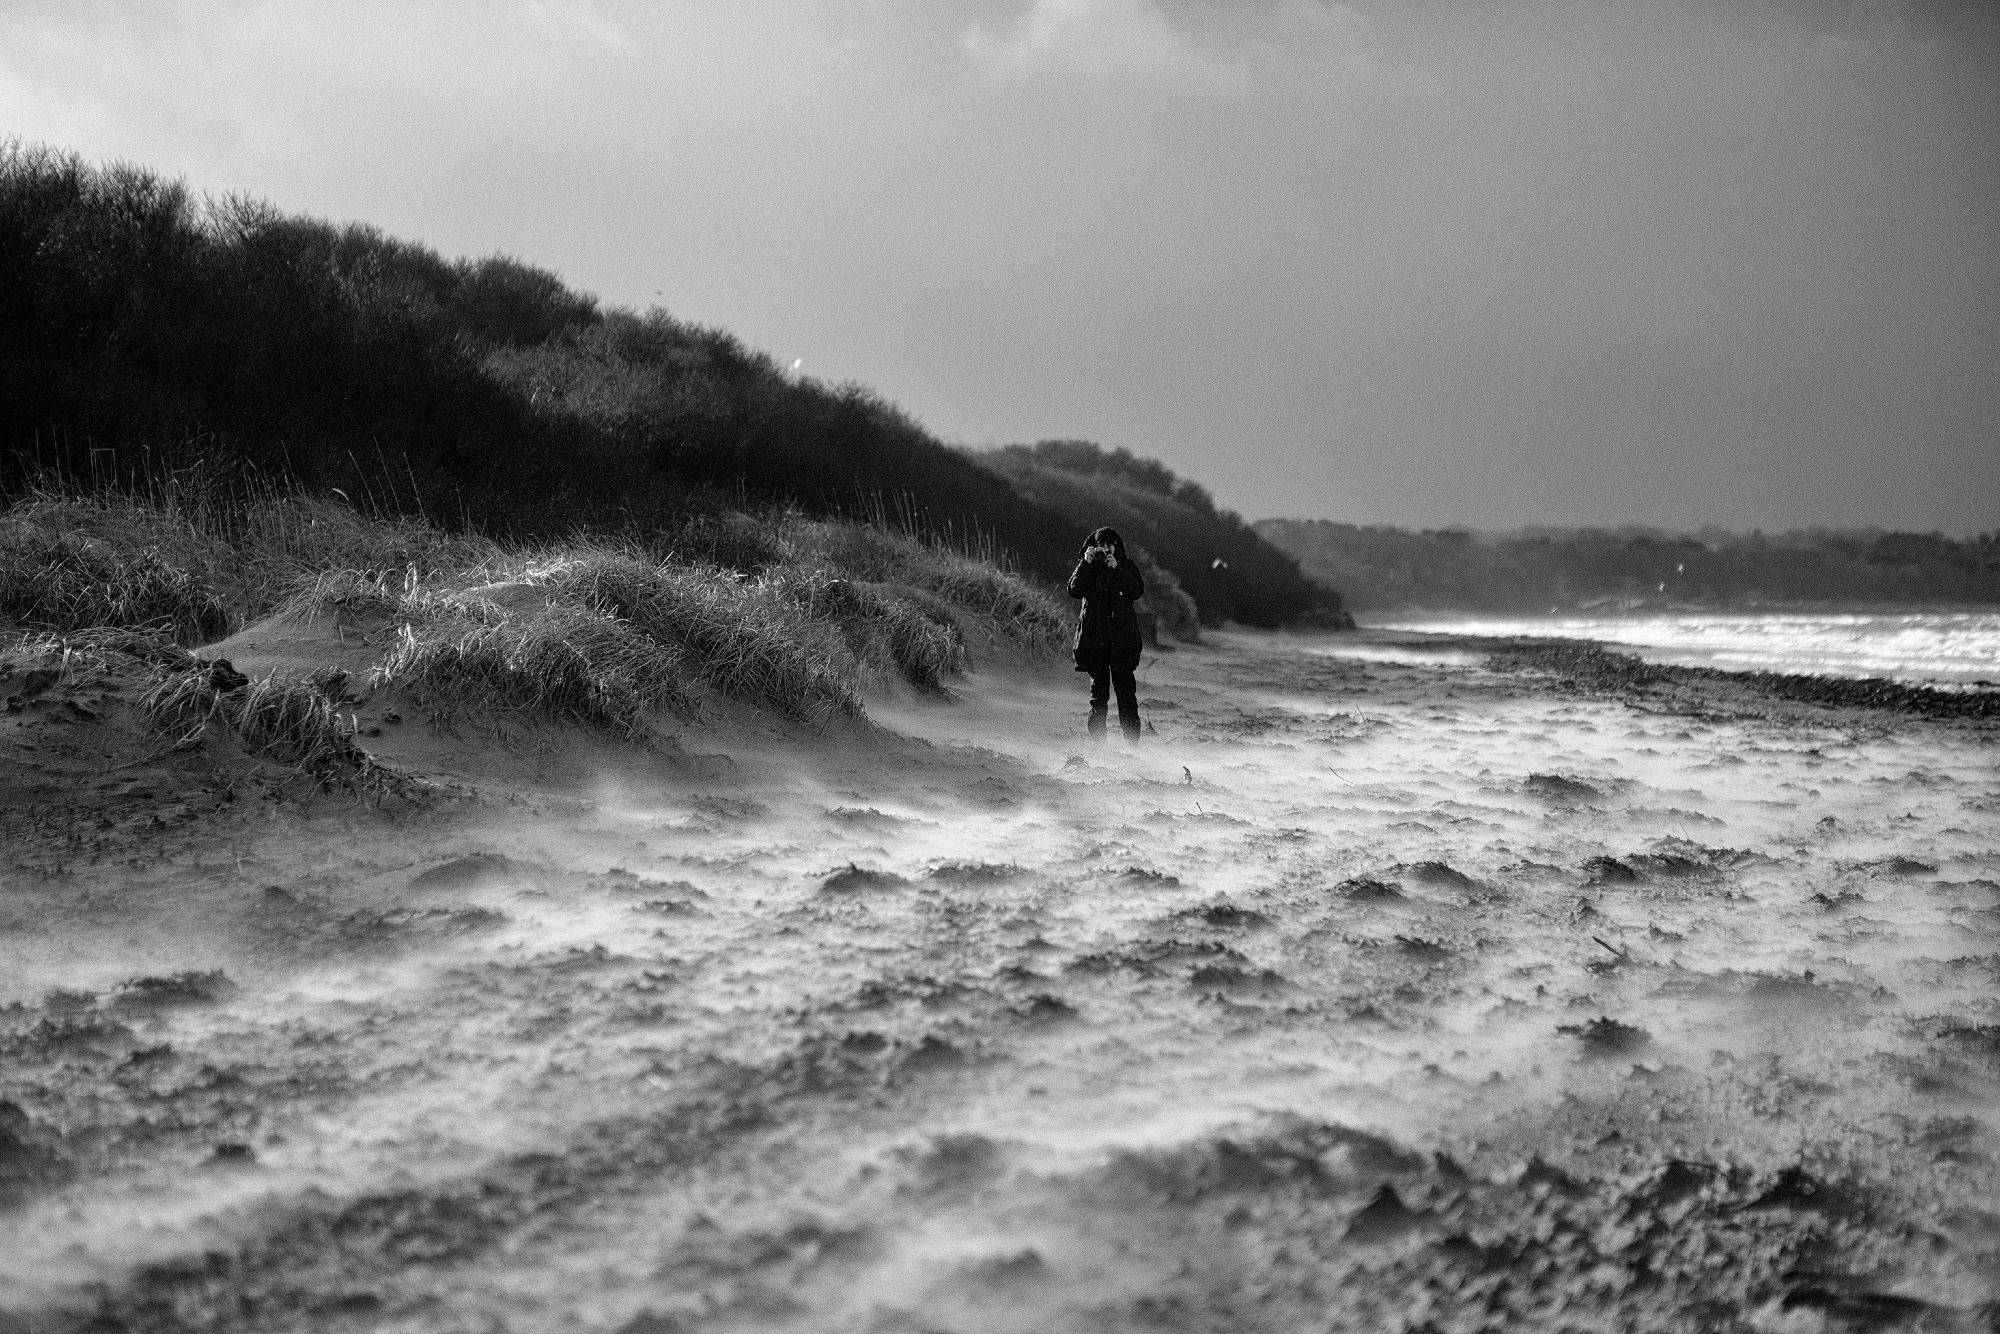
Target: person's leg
column 1100, row 698
column 1127, row 685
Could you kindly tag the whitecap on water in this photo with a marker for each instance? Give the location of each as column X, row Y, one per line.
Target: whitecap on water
column 1938, row 648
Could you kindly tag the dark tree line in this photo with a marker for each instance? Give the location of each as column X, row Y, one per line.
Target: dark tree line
column 1232, row 573
column 147, row 332
column 1381, row 568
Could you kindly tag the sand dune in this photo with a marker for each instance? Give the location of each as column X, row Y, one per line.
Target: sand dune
column 1377, row 989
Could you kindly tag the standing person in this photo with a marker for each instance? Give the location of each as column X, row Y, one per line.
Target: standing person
column 1107, row 638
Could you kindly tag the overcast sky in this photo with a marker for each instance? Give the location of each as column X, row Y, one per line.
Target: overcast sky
column 1490, row 262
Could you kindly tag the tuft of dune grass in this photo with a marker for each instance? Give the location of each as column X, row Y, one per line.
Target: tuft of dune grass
column 915, row 636
column 294, row 540
column 346, row 595
column 296, row 724
column 924, row 639
column 567, row 663
column 74, row 658
column 70, row 581
column 196, row 571
column 115, row 522
column 733, row 541
column 293, row 722
column 1016, row 610
column 740, row 637
column 1019, row 612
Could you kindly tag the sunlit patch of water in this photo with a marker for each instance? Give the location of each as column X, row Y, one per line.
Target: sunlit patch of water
column 1401, row 655
column 1938, row 648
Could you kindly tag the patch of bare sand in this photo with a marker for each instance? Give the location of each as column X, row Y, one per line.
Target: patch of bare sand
column 1370, row 991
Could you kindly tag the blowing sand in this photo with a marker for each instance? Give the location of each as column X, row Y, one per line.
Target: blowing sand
column 1378, row 989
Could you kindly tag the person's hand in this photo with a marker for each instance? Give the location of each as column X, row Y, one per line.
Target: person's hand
column 1100, row 556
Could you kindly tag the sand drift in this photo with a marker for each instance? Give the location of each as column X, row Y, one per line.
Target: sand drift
column 1374, row 991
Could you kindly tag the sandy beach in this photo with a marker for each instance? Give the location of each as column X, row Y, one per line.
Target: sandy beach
column 1388, row 984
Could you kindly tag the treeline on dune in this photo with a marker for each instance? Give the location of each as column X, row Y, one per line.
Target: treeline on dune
column 1221, row 562
column 231, row 348
column 1383, row 569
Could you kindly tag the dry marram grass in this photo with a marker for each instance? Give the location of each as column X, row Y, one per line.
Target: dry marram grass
column 741, row 637
column 563, row 663
column 54, row 577
column 296, row 723
column 792, row 615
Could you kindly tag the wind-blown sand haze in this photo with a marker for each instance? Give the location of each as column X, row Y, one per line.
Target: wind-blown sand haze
column 1379, row 987
column 542, row 785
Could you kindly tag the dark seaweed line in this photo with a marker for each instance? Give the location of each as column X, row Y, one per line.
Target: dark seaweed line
column 1594, row 666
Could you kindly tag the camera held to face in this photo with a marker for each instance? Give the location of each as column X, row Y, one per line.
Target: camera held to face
column 1102, row 555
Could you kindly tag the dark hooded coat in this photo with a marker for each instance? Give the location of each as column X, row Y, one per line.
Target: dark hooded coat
column 1107, row 636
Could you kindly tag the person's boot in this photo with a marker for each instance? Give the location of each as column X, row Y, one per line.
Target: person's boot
column 1097, row 722
column 1128, row 723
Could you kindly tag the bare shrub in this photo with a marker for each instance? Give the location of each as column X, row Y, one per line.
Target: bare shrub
column 1167, row 599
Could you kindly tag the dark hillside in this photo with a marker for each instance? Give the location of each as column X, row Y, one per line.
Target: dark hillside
column 146, row 331
column 1453, row 569
column 1232, row 573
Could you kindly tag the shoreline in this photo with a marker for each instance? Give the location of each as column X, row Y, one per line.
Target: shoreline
column 1833, row 607
column 1589, row 662
column 1603, row 667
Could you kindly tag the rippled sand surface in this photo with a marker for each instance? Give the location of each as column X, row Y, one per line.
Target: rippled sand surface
column 1375, row 990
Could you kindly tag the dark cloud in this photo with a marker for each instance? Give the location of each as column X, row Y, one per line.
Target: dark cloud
column 1429, row 262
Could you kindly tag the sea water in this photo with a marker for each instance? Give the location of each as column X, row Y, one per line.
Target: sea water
column 1949, row 649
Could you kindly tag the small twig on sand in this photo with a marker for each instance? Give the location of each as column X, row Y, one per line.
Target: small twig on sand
column 1615, row 951
column 188, row 744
